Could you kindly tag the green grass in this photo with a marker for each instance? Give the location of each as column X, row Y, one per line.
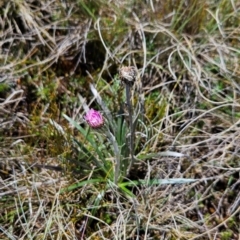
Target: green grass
column 61, row 180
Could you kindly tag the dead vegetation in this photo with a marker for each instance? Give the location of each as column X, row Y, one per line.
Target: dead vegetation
column 187, row 55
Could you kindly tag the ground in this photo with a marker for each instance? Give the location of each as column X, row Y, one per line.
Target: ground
column 171, row 171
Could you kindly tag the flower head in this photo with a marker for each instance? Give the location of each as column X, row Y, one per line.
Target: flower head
column 128, row 74
column 94, row 119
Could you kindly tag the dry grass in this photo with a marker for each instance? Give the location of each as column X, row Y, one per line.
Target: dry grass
column 187, row 54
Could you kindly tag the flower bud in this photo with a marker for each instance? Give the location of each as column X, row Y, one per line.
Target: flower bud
column 128, row 74
column 94, row 119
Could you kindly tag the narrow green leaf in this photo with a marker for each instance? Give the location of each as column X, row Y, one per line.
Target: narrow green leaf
column 81, row 184
column 158, row 182
column 84, row 132
column 160, row 154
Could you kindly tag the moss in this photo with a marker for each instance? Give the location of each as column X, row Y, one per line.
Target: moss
column 226, row 235
column 4, row 87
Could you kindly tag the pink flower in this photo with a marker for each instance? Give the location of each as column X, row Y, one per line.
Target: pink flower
column 94, row 119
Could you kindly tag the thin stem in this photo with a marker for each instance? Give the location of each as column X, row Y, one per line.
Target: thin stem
column 129, row 105
column 128, row 76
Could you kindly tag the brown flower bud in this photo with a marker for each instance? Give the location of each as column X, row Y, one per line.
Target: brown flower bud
column 128, row 74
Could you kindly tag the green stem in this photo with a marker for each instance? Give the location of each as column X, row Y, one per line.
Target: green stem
column 130, row 115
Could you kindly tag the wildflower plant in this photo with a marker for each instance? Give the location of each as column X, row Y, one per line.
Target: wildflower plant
column 110, row 141
column 101, row 127
column 106, row 143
